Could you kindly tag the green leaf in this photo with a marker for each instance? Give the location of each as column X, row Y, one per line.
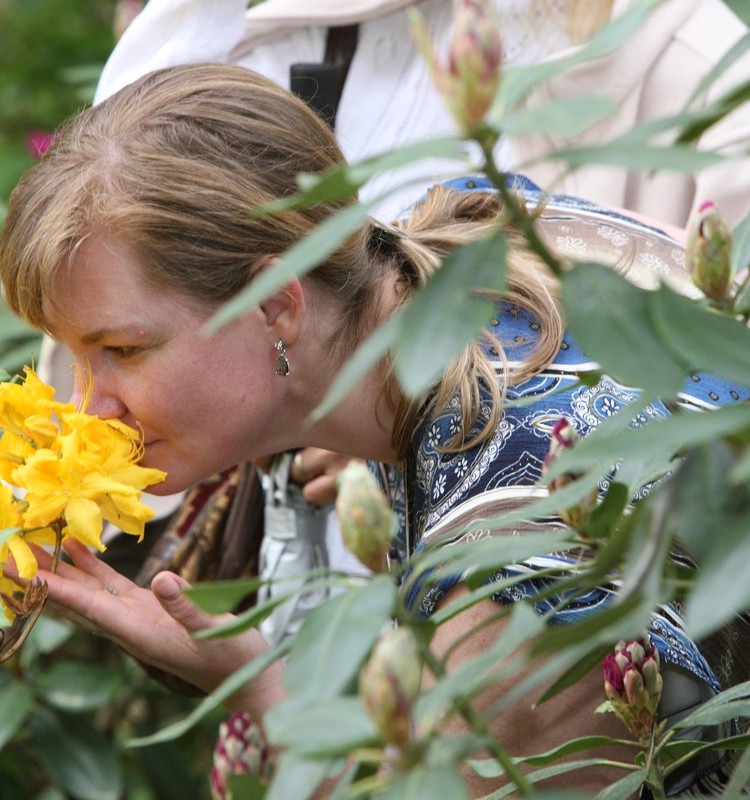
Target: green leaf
column 343, row 180
column 741, row 245
column 638, row 156
column 562, row 117
column 730, row 698
column 221, row 597
column 624, row 788
column 248, row 787
column 574, row 673
column 425, row 343
column 721, row 588
column 336, row 637
column 296, row 777
column 76, row 757
column 611, row 320
column 603, row 518
column 571, row 747
column 701, row 339
column 16, row 701
column 715, row 112
column 740, row 777
column 237, row 680
column 331, row 727
column 720, row 67
column 426, row 782
column 301, row 258
column 77, row 686
column 46, row 636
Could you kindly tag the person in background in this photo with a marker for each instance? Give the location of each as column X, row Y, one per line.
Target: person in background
column 188, row 146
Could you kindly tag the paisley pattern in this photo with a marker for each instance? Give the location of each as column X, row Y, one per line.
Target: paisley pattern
column 447, row 490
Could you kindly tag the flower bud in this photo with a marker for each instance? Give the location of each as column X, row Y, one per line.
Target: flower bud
column 469, row 80
column 240, row 750
column 708, row 253
column 365, row 518
column 389, row 684
column 633, row 684
column 564, row 437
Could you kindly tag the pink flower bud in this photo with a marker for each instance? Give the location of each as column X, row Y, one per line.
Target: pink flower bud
column 708, row 253
column 469, row 80
column 564, row 437
column 389, row 684
column 240, row 749
column 633, row 684
column 365, row 518
column 38, row 142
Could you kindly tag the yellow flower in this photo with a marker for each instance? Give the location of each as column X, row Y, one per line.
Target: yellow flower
column 14, row 539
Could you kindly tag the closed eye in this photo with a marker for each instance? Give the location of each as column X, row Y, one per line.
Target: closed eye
column 122, row 352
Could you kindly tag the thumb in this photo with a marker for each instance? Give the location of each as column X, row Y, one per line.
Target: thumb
column 168, row 588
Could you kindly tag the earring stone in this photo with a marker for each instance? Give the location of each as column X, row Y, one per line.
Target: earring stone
column 282, row 362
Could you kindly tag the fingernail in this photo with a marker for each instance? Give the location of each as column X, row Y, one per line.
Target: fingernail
column 166, row 586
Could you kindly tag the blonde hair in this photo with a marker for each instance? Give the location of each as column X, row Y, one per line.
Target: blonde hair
column 171, row 165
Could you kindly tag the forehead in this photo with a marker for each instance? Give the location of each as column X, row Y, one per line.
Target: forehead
column 104, row 289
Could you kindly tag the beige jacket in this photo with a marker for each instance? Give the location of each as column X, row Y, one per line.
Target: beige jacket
column 653, row 76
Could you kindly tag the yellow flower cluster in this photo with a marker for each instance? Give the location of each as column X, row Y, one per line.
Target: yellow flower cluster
column 73, row 471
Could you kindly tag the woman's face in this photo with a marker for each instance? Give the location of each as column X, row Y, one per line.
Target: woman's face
column 203, row 402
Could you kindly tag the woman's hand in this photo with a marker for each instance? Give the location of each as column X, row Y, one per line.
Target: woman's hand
column 316, row 471
column 155, row 625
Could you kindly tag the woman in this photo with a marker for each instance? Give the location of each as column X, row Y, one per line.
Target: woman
column 124, row 242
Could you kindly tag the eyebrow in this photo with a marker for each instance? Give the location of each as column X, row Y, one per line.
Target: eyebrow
column 104, row 333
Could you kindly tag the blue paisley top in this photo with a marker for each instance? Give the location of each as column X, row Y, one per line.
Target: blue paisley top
column 446, row 490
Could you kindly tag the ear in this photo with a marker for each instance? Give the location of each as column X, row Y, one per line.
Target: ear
column 284, row 310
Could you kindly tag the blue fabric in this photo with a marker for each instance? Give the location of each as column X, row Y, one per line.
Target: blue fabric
column 502, row 470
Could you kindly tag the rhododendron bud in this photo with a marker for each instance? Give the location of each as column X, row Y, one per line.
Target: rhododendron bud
column 365, row 518
column 633, row 684
column 240, row 750
column 38, row 142
column 468, row 81
column 564, row 437
column 389, row 684
column 708, row 253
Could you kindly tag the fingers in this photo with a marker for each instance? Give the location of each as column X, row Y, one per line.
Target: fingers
column 168, row 588
column 311, row 464
column 320, row 491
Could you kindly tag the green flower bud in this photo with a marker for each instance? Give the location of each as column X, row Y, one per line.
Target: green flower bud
column 469, row 80
column 365, row 518
column 389, row 684
column 708, row 253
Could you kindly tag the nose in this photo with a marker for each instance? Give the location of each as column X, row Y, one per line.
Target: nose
column 95, row 398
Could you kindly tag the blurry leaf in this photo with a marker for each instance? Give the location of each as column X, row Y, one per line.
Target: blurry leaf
column 602, row 519
column 624, row 788
column 575, row 673
column 563, row 117
column 740, row 777
column 296, row 777
column 520, row 80
column 426, row 782
column 16, row 701
column 560, row 769
column 638, row 156
column 220, row 597
column 76, row 757
column 343, row 180
column 701, row 339
column 77, row 686
column 720, row 67
column 597, row 301
column 331, row 727
column 170, row 773
column 46, row 636
column 741, row 245
column 302, row 257
column 248, row 787
column 682, row 747
column 237, row 680
column 715, row 112
column 426, row 343
column 721, row 588
column 715, row 715
column 336, row 637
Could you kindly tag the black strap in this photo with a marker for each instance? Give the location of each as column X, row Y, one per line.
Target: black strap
column 321, row 85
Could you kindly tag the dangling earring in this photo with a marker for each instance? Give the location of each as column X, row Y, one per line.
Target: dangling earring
column 282, row 362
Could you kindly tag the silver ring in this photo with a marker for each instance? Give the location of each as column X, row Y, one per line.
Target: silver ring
column 110, row 589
